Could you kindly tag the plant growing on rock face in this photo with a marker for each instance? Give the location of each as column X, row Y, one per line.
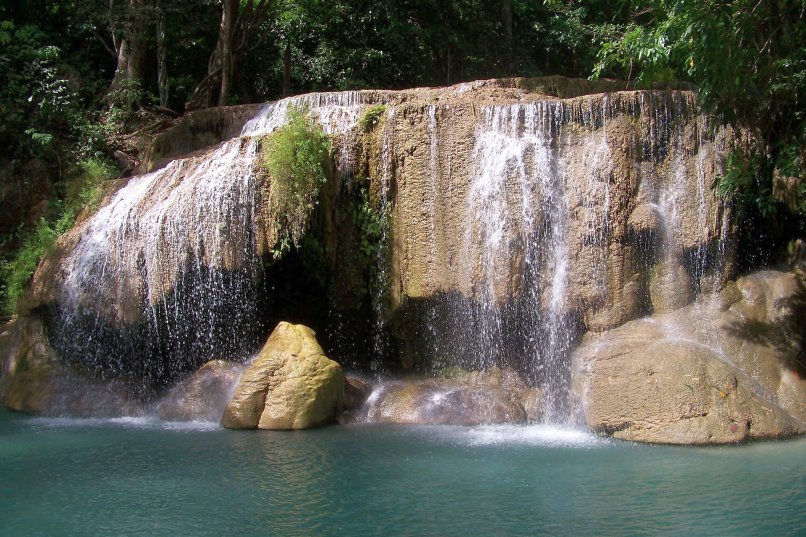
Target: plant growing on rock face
column 294, row 158
column 373, row 225
column 371, row 117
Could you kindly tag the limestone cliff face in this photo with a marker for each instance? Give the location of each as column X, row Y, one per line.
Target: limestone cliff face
column 520, row 220
column 564, row 231
column 597, row 195
column 520, row 214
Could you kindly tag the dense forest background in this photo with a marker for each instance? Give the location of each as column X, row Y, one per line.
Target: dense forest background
column 86, row 82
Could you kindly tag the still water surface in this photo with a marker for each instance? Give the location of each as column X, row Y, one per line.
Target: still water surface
column 141, row 477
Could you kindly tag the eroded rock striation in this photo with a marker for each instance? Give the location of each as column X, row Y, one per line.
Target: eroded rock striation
column 518, row 225
column 518, row 214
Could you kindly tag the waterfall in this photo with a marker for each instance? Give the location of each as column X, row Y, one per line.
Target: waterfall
column 517, row 212
column 172, row 260
column 168, row 273
column 553, row 240
column 515, row 225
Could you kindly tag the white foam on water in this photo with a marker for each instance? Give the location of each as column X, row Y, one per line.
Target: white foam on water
column 125, row 422
column 533, row 435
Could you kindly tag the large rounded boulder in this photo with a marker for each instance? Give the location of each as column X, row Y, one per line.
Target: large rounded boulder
column 291, row 384
column 722, row 370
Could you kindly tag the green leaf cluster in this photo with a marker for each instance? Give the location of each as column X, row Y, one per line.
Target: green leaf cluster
column 372, row 224
column 749, row 61
column 294, row 159
column 371, row 117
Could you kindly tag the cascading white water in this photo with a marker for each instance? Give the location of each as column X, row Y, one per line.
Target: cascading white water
column 169, row 254
column 381, row 284
column 540, row 217
column 172, row 262
column 518, row 212
column 167, row 274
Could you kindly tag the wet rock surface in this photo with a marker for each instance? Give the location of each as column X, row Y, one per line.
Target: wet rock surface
column 725, row 369
column 202, row 396
column 356, row 392
column 469, row 398
column 32, row 380
column 490, row 189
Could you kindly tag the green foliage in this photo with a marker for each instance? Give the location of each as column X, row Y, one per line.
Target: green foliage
column 294, row 159
column 372, row 224
column 37, row 100
column 749, row 61
column 124, row 93
column 347, row 44
column 639, row 51
column 84, row 191
column 89, row 185
column 744, row 183
column 16, row 272
column 371, row 117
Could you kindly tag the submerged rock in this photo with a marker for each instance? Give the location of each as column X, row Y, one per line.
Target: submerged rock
column 469, row 398
column 203, row 396
column 291, row 384
column 719, row 371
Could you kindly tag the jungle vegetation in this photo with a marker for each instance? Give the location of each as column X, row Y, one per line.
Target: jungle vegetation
column 82, row 82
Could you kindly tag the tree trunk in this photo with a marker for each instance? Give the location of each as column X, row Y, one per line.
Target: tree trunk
column 238, row 24
column 228, row 20
column 287, row 71
column 162, row 60
column 130, row 70
column 509, row 50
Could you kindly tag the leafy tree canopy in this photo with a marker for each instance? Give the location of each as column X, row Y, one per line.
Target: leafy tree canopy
column 748, row 58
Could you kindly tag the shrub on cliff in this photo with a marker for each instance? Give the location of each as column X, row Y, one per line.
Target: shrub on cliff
column 294, row 159
column 748, row 60
column 371, row 117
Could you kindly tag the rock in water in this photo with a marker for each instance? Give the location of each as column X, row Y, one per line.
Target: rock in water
column 202, row 396
column 466, row 398
column 290, row 385
column 32, row 380
column 720, row 371
column 356, row 392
